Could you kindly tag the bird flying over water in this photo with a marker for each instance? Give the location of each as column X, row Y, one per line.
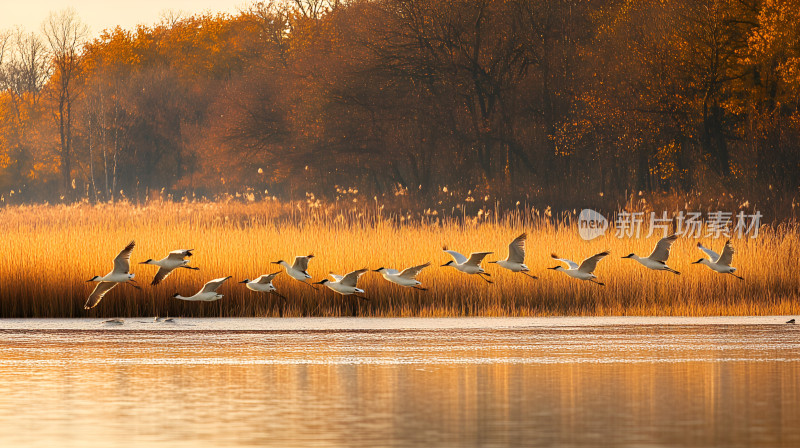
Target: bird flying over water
column 207, row 294
column 407, row 277
column 297, row 270
column 658, row 259
column 717, row 262
column 175, row 259
column 345, row 284
column 515, row 262
column 471, row 265
column 585, row 270
column 119, row 274
column 263, row 284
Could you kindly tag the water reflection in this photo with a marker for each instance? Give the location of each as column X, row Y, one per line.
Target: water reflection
column 628, row 386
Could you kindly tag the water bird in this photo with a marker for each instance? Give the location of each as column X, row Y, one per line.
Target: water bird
column 175, row 259
column 163, row 319
column 298, row 270
column 207, row 294
column 407, row 277
column 263, row 284
column 658, row 259
column 120, row 274
column 790, row 321
column 114, row 322
column 515, row 262
column 717, row 262
column 585, row 270
column 471, row 265
column 345, row 284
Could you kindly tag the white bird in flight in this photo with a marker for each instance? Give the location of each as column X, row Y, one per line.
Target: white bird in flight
column 658, row 259
column 175, row 259
column 471, row 265
column 515, row 262
column 207, row 294
column 345, row 285
column 407, row 277
column 297, row 270
column 120, row 274
column 263, row 284
column 584, row 271
column 717, row 262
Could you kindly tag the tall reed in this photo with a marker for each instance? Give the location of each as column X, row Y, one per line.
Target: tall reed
column 48, row 252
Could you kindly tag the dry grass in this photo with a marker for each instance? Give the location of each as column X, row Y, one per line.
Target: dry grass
column 48, row 252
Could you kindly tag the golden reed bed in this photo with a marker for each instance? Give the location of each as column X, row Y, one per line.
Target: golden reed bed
column 48, row 252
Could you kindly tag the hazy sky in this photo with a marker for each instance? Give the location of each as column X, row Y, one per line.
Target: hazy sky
column 101, row 14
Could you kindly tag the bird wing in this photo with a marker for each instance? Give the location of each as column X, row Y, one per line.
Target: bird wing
column 267, row 278
column 122, row 263
column 301, row 263
column 179, row 254
column 213, row 284
column 570, row 263
column 475, row 258
column 661, row 252
column 460, row 259
column 99, row 291
column 711, row 254
column 413, row 271
column 336, row 277
column 161, row 275
column 590, row 263
column 516, row 250
column 352, row 277
column 727, row 255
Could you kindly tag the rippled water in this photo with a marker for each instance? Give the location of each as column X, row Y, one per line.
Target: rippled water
column 400, row 382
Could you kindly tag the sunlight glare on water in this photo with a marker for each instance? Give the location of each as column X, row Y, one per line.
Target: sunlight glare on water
column 84, row 383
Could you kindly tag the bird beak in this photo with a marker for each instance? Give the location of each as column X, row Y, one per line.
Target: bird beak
column 446, row 264
column 88, row 281
column 274, row 262
column 554, row 268
column 318, row 283
column 244, row 281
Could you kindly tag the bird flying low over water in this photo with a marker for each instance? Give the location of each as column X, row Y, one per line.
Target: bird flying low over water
column 208, row 293
column 585, row 270
column 471, row 265
column 263, row 284
column 658, row 259
column 120, row 274
column 717, row 262
column 297, row 270
column 515, row 262
column 175, row 259
column 407, row 277
column 345, row 284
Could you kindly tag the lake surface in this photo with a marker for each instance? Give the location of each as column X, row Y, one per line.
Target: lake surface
column 630, row 382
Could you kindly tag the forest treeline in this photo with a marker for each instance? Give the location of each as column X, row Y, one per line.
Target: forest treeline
column 507, row 100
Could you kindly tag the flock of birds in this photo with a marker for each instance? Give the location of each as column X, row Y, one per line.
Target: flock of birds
column 347, row 284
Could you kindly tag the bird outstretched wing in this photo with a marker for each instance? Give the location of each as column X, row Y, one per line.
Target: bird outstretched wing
column 336, row 277
column 214, row 284
column 99, row 291
column 475, row 258
column 727, row 254
column 352, row 277
column 516, row 250
column 711, row 254
column 412, row 272
column 267, row 278
column 301, row 262
column 161, row 275
column 590, row 263
column 460, row 259
column 661, row 252
column 122, row 263
column 570, row 263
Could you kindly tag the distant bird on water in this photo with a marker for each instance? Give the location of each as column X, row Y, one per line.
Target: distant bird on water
column 263, row 284
column 407, row 277
column 658, row 259
column 297, row 270
column 207, row 294
column 471, row 265
column 585, row 270
column 345, row 284
column 515, row 262
column 120, row 274
column 790, row 321
column 175, row 259
column 717, row 262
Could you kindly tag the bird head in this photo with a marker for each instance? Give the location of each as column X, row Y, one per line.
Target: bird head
column 379, row 269
column 698, row 261
column 321, row 282
column 448, row 263
column 176, row 295
column 628, row 256
column 93, row 279
column 277, row 262
column 557, row 268
column 247, row 280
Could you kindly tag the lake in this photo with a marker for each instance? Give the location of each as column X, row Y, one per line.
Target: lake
column 493, row 382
